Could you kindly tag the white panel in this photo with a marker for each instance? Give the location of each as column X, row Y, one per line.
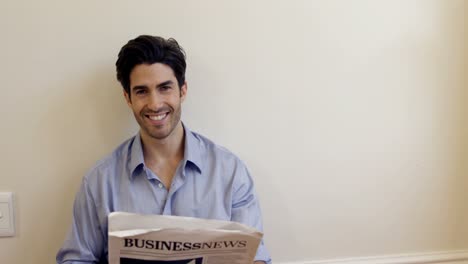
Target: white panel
column 7, row 223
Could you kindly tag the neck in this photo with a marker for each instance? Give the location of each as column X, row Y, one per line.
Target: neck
column 169, row 149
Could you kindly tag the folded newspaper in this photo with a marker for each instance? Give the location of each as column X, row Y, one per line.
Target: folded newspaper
column 162, row 239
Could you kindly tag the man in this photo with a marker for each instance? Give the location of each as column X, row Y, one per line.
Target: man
column 166, row 168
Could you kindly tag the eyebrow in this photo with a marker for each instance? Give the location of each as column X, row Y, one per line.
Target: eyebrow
column 168, row 82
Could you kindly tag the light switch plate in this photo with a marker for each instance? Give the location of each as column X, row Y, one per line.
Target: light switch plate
column 7, row 218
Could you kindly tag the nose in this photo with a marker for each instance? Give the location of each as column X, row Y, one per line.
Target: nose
column 154, row 101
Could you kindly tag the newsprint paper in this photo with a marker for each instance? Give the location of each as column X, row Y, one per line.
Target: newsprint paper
column 158, row 239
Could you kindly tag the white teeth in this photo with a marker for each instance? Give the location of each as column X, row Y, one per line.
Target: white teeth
column 157, row 117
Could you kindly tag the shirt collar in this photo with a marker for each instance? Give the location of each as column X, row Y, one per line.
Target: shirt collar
column 136, row 158
column 192, row 152
column 193, row 149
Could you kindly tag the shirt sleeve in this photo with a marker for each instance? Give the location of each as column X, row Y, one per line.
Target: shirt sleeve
column 246, row 207
column 85, row 240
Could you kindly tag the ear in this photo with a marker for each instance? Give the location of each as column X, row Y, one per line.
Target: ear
column 183, row 91
column 127, row 98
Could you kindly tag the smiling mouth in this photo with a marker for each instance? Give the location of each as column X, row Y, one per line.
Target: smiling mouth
column 157, row 117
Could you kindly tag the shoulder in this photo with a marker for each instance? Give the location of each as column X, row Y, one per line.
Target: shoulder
column 214, row 150
column 113, row 162
column 217, row 160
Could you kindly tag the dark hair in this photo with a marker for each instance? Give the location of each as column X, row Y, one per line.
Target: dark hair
column 148, row 50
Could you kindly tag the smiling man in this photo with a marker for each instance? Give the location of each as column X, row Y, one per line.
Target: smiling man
column 164, row 169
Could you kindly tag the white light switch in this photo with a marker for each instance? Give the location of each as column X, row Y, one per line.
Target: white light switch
column 7, row 220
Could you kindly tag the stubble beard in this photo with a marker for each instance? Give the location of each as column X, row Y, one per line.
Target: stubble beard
column 160, row 133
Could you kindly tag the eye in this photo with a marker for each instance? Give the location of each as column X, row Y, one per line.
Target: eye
column 165, row 88
column 140, row 91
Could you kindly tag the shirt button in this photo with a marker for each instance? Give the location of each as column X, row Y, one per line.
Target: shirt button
column 160, row 185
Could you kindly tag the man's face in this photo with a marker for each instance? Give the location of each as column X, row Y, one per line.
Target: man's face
column 155, row 99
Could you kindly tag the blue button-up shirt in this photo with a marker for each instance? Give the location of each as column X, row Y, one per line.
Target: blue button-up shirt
column 210, row 182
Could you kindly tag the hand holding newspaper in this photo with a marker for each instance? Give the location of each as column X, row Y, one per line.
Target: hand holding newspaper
column 162, row 239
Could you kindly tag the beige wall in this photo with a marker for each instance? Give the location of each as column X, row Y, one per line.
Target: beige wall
column 350, row 114
column 463, row 132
